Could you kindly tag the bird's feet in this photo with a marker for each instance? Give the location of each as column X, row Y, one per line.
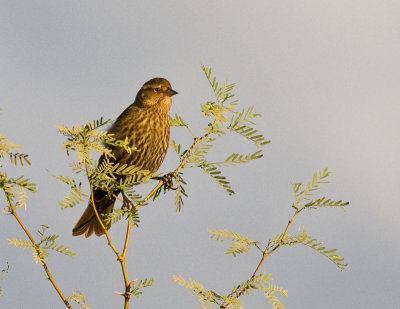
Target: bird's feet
column 167, row 179
column 127, row 203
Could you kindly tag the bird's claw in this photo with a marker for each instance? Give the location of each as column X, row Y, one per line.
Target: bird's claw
column 127, row 203
column 167, row 180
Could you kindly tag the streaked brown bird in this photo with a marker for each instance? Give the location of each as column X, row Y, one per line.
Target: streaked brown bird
column 146, row 125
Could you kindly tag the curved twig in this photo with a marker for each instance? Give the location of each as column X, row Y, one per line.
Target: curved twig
column 49, row 275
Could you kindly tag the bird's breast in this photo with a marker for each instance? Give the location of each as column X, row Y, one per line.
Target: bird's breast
column 149, row 134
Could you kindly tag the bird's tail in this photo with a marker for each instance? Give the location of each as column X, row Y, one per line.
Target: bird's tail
column 88, row 222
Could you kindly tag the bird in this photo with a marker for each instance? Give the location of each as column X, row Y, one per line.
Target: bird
column 145, row 123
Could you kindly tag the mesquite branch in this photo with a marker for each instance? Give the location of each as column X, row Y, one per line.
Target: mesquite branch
column 35, row 246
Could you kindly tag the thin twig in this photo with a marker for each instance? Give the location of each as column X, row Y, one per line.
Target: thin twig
column 120, row 258
column 129, row 225
column 266, row 253
column 110, row 243
column 35, row 245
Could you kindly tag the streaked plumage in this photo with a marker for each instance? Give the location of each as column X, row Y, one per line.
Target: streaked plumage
column 146, row 124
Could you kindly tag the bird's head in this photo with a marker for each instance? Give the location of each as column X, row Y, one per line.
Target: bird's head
column 157, row 92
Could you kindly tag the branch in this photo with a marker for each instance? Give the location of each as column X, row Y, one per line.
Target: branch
column 35, row 245
column 120, row 258
column 266, row 253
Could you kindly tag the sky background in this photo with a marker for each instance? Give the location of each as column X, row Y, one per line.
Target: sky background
column 324, row 75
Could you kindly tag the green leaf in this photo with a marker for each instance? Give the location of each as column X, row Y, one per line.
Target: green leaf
column 179, row 183
column 85, row 138
column 118, row 213
column 40, row 255
column 23, row 183
column 107, row 176
column 260, row 282
column 214, row 173
column 236, row 158
column 22, row 243
column 240, row 243
column 302, row 193
column 222, row 92
column 325, row 202
column 79, row 299
column 237, row 247
column 19, row 157
column 197, row 157
column 7, row 147
column 137, row 286
column 75, row 195
column 176, row 147
column 205, row 297
column 48, row 242
column 249, row 133
column 305, row 239
column 242, row 124
column 177, row 121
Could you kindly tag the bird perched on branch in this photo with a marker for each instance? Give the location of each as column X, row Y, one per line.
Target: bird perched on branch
column 146, row 125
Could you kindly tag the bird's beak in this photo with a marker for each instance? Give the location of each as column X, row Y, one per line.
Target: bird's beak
column 170, row 92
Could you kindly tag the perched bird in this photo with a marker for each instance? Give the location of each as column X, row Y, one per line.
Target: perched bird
column 146, row 125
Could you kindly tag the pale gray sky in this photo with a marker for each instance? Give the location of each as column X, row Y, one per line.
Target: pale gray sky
column 325, row 76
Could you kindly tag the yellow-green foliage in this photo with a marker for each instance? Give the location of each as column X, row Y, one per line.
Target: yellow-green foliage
column 241, row 244
column 3, row 272
column 41, row 249
column 222, row 116
column 211, row 299
column 78, row 297
column 137, row 285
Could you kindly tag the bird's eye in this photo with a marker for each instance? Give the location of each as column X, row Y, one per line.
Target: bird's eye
column 156, row 89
